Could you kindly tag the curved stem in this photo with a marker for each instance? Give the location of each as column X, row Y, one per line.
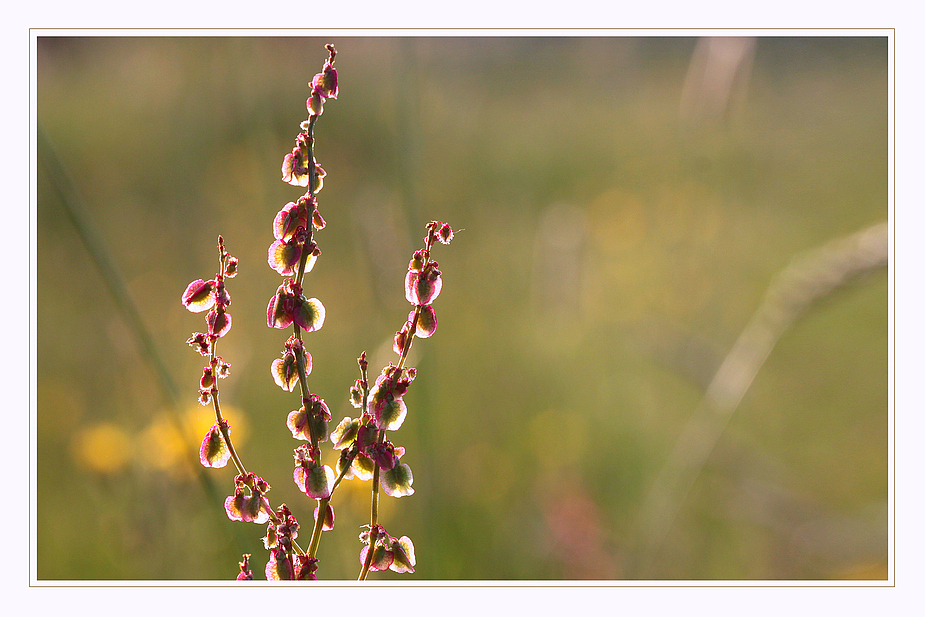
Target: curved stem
column 226, row 434
column 343, row 472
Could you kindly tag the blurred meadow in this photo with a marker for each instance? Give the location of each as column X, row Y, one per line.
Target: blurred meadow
column 636, row 213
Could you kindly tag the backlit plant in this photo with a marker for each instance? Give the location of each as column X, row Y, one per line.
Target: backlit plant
column 364, row 450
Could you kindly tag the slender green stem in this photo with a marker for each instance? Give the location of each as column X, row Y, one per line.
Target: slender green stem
column 300, row 358
column 226, row 435
column 410, row 337
column 322, row 507
column 343, row 472
column 319, row 523
column 213, row 362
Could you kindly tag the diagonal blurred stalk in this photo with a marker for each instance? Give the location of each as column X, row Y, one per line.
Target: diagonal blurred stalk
column 806, row 280
column 96, row 246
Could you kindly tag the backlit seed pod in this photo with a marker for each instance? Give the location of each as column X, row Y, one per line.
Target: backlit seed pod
column 306, row 568
column 294, row 169
column 385, row 405
column 246, row 574
column 445, row 234
column 247, row 508
column 356, row 394
column 401, row 337
column 297, row 422
column 279, row 310
column 325, row 82
column 315, row 103
column 269, row 540
column 382, row 557
column 279, row 567
column 403, row 550
column 309, row 314
column 320, row 427
column 366, row 435
column 320, row 408
column 288, row 220
column 397, row 481
column 363, row 467
column 231, row 267
column 213, row 452
column 328, row 523
column 314, row 480
column 343, row 463
column 417, row 261
column 198, row 296
column 319, row 178
column 317, row 220
column 345, row 433
column 285, row 370
column 423, row 287
column 383, row 454
column 427, row 322
column 208, row 378
column 283, row 256
column 222, row 297
column 219, row 323
column 200, row 342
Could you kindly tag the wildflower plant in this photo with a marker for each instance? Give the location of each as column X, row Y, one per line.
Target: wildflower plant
column 364, row 450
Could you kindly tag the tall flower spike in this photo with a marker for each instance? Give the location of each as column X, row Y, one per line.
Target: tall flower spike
column 365, row 453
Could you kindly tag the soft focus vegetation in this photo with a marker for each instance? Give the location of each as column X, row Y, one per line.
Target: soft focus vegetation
column 624, row 207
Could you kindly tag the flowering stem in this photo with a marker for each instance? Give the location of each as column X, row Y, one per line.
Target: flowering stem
column 406, row 348
column 296, row 225
column 213, row 362
column 428, row 243
column 300, row 359
column 226, row 434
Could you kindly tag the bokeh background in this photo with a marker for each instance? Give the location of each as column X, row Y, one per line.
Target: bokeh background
column 625, row 206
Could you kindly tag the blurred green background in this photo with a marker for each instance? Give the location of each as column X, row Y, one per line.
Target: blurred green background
column 625, row 204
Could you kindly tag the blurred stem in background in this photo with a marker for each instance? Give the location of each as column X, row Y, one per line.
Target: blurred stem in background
column 807, row 279
column 96, row 246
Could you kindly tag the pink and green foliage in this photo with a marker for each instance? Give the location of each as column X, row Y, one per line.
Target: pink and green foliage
column 364, row 451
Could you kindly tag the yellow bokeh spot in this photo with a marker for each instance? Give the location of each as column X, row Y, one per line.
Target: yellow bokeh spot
column 103, row 448
column 199, row 419
column 167, row 447
column 163, row 445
